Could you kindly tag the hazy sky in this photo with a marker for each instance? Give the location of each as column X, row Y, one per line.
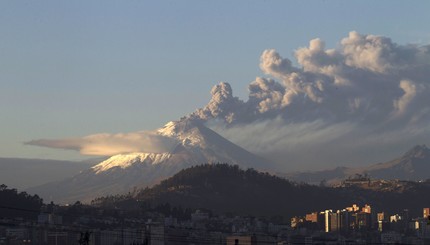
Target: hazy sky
column 75, row 68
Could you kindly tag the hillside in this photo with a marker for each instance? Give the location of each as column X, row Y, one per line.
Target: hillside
column 224, row 188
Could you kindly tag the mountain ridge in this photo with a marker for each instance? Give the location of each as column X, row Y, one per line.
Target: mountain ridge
column 413, row 165
column 225, row 188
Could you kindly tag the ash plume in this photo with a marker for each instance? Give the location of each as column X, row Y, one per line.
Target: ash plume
column 368, row 93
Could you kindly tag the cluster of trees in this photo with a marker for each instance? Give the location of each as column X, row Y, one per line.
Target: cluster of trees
column 18, row 204
column 227, row 188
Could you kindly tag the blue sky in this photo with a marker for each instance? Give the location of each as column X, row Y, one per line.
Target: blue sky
column 73, row 68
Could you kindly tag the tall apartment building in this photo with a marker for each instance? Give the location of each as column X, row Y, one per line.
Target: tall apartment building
column 327, row 220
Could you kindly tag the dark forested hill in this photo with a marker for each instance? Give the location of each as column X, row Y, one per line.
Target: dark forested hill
column 225, row 188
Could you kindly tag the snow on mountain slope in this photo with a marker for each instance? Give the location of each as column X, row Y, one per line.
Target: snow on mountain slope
column 196, row 144
column 126, row 160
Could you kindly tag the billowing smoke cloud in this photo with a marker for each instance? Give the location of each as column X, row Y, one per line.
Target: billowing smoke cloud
column 111, row 144
column 368, row 78
column 365, row 101
column 337, row 105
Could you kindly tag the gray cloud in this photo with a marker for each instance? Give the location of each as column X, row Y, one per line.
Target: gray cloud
column 368, row 78
column 111, row 144
column 368, row 93
column 222, row 105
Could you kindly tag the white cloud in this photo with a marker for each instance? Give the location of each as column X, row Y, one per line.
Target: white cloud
column 111, row 144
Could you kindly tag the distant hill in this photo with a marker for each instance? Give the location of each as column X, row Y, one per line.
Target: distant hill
column 414, row 165
column 224, row 188
column 22, row 173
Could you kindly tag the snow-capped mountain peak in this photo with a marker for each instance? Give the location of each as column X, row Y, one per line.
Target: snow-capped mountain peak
column 170, row 129
column 126, row 160
column 185, row 131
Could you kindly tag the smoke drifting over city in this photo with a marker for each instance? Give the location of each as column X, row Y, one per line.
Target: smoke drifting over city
column 363, row 101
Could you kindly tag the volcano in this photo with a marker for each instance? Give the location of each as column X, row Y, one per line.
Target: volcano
column 120, row 174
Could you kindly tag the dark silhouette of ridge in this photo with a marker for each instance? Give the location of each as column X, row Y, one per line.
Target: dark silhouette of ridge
column 228, row 189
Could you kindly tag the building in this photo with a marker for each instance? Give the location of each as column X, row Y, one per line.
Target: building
column 382, row 222
column 250, row 240
column 405, row 215
column 327, row 220
column 363, row 221
column 381, row 216
column 422, row 227
column 334, row 222
column 241, row 240
column 426, row 213
column 344, row 220
column 366, row 209
column 395, row 218
column 199, row 216
column 57, row 237
column 17, row 235
column 155, row 233
column 312, row 217
column 52, row 219
column 295, row 221
column 391, row 238
column 354, row 208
